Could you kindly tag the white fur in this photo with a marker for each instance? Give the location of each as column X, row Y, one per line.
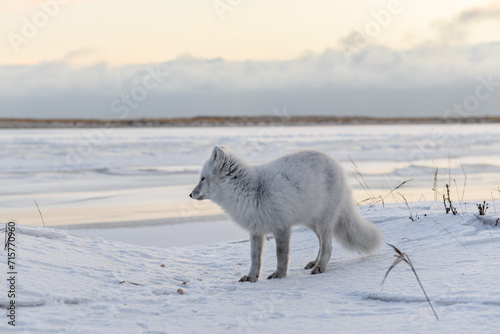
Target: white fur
column 305, row 188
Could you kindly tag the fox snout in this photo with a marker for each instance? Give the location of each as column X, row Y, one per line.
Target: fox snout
column 197, row 195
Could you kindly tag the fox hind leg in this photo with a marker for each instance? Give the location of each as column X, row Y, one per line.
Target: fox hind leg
column 312, row 264
column 324, row 234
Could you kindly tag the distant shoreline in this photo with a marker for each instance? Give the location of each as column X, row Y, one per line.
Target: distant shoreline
column 200, row 121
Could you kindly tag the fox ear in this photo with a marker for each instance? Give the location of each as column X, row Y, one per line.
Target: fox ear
column 217, row 153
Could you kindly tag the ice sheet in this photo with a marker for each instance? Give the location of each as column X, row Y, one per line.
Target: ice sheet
column 111, row 175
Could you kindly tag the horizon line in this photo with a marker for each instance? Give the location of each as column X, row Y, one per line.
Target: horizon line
column 200, row 121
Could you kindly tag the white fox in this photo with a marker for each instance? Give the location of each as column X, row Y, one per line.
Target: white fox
column 305, row 188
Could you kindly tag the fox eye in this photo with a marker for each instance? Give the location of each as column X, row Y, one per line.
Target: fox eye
column 202, row 178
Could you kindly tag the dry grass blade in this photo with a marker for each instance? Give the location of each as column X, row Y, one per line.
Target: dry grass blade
column 372, row 200
column 493, row 201
column 449, row 168
column 458, row 196
column 465, row 183
column 434, row 184
column 399, row 186
column 362, row 182
column 394, row 264
column 6, row 238
column 121, row 282
column 399, row 258
column 444, row 228
column 396, row 250
column 409, row 210
column 40, row 212
column 403, row 257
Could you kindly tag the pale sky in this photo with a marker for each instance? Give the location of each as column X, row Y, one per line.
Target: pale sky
column 75, row 58
column 150, row 31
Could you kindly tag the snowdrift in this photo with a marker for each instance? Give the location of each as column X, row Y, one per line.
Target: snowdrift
column 71, row 284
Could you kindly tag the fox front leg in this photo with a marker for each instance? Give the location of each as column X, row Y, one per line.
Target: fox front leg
column 282, row 238
column 256, row 244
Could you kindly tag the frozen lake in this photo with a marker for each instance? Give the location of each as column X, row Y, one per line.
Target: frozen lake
column 81, row 176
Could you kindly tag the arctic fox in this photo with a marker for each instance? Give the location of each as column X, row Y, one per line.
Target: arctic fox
column 307, row 188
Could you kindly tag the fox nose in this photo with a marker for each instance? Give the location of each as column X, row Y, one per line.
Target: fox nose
column 191, row 195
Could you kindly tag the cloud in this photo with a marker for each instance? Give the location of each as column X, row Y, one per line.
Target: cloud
column 28, row 5
column 378, row 81
column 78, row 53
column 458, row 28
column 83, row 56
column 489, row 12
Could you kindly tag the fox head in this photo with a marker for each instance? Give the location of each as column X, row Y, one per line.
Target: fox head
column 215, row 170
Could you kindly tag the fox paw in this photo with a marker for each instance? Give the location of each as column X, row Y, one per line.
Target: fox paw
column 249, row 279
column 310, row 265
column 318, row 270
column 277, row 274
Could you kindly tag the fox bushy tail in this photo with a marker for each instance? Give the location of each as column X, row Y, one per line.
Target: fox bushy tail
column 354, row 232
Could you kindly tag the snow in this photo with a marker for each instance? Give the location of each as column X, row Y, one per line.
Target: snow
column 172, row 235
column 81, row 176
column 127, row 251
column 73, row 284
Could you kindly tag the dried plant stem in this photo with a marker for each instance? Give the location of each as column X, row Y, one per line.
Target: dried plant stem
column 444, row 228
column 397, row 187
column 6, row 242
column 403, row 257
column 449, row 168
column 434, row 184
column 458, row 196
column 40, row 212
column 451, row 208
column 121, row 282
column 493, row 200
column 409, row 210
column 361, row 181
column 482, row 208
column 465, row 183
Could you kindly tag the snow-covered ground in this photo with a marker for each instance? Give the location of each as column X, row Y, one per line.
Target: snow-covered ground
column 72, row 284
